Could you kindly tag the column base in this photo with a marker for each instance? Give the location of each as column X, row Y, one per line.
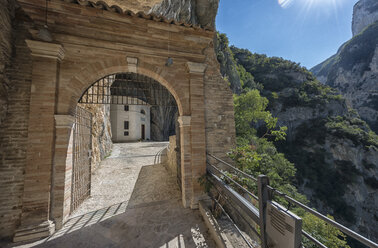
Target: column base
column 195, row 201
column 30, row 233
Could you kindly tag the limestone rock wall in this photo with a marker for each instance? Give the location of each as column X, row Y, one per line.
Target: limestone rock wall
column 365, row 12
column 353, row 179
column 101, row 132
column 163, row 115
column 294, row 117
column 134, row 5
column 227, row 63
column 360, row 87
column 15, row 82
column 353, row 71
column 198, row 12
column 163, row 120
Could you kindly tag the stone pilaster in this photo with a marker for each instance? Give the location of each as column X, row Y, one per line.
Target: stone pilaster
column 198, row 133
column 186, row 153
column 62, row 169
column 35, row 218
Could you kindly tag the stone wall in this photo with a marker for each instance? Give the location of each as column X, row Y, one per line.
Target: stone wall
column 6, row 14
column 68, row 179
column 172, row 156
column 101, row 132
column 219, row 110
column 15, row 75
column 203, row 97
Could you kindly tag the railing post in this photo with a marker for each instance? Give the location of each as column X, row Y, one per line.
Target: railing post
column 263, row 182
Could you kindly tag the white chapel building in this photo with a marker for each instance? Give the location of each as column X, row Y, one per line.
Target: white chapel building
column 130, row 122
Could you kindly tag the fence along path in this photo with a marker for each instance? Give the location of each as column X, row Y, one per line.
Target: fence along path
column 266, row 193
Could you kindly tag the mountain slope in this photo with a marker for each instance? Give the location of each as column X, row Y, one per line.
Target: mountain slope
column 331, row 147
column 365, row 12
column 353, row 71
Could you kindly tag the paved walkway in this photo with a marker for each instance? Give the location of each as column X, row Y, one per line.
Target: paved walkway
column 134, row 203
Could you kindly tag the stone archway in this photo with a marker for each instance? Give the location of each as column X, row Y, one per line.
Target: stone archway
column 60, row 208
column 87, row 76
column 92, row 43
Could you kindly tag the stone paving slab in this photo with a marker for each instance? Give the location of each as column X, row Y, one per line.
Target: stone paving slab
column 134, row 203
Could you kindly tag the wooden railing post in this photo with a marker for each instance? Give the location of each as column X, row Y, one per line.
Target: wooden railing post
column 263, row 182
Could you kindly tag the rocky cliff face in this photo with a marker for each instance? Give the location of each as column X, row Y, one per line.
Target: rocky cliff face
column 353, row 71
column 134, row 5
column 331, row 147
column 228, row 67
column 163, row 114
column 327, row 156
column 101, row 132
column 198, row 12
column 163, row 122
column 365, row 12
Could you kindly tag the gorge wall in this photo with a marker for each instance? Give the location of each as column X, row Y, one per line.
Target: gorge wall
column 353, row 71
column 198, row 12
column 365, row 12
column 331, row 147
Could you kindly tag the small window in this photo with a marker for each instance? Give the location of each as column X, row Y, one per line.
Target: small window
column 126, row 133
column 143, row 112
column 126, row 107
column 125, row 125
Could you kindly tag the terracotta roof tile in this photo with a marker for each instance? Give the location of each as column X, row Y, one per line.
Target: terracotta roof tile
column 114, row 8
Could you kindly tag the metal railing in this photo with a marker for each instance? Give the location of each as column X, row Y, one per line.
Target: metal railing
column 255, row 213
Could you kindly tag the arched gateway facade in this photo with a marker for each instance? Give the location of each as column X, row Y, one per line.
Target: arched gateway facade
column 91, row 41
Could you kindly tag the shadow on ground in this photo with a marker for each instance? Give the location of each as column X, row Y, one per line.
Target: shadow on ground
column 153, row 217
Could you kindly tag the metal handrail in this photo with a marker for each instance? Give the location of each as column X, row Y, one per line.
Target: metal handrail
column 245, row 205
column 222, row 189
column 314, row 240
column 342, row 228
column 236, row 183
column 233, row 167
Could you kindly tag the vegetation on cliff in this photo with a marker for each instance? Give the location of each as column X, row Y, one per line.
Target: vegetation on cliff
column 256, row 154
column 353, row 71
column 358, row 50
column 270, row 90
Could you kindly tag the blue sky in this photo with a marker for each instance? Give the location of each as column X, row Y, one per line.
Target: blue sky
column 304, row 31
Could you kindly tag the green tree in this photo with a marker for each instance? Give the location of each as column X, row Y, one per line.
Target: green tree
column 325, row 233
column 256, row 153
column 250, row 109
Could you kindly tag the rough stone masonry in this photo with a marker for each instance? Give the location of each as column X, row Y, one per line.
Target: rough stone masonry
column 44, row 81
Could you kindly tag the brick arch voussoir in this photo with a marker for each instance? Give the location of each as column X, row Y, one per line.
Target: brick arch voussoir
column 95, row 71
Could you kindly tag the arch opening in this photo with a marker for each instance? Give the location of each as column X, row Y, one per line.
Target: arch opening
column 126, row 108
column 128, row 88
